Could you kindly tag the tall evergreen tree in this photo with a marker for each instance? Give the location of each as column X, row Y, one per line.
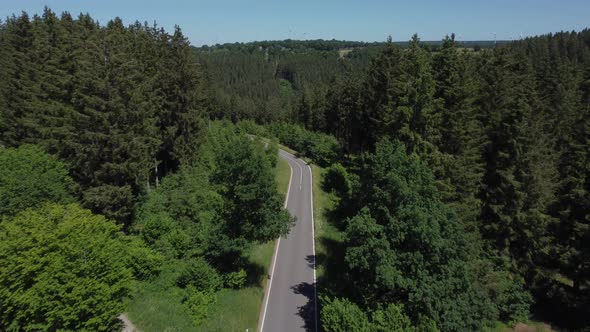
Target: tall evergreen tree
column 461, row 133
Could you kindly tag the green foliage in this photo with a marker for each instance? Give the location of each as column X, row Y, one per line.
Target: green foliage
column 198, row 303
column 113, row 202
column 30, row 178
column 179, row 218
column 235, row 279
column 62, row 268
column 206, row 217
column 390, row 319
column 199, row 274
column 337, row 179
column 282, row 77
column 155, row 226
column 245, row 178
column 341, row 315
column 513, row 301
column 321, row 148
column 121, row 115
column 406, row 246
column 426, row 324
column 143, row 261
column 500, row 136
column 504, row 133
column 460, row 168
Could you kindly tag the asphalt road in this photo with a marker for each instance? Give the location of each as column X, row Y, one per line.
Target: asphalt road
column 290, row 302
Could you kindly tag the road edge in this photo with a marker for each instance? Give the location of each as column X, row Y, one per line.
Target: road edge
column 315, row 281
column 262, row 314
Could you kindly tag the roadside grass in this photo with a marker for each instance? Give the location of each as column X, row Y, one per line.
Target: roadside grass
column 288, row 149
column 157, row 305
column 532, row 326
column 282, row 176
column 328, row 238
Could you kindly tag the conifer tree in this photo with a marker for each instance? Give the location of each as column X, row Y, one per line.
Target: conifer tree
column 460, row 130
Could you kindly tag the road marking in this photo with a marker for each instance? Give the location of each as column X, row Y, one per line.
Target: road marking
column 274, row 261
column 300, row 175
column 315, row 286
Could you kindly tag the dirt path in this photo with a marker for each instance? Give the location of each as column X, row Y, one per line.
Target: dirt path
column 127, row 325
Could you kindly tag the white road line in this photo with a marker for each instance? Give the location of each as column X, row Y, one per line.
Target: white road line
column 315, row 286
column 300, row 175
column 274, row 261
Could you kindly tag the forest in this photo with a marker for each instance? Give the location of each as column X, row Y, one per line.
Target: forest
column 114, row 182
column 459, row 174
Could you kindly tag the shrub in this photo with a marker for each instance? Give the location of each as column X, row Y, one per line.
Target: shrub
column 155, row 226
column 200, row 275
column 321, row 148
column 143, row 261
column 197, row 303
column 235, row 279
column 392, row 318
column 337, row 180
column 341, row 315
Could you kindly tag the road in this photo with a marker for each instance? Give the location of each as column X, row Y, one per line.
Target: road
column 290, row 301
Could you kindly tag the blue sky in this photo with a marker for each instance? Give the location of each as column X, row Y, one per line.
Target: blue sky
column 220, row 21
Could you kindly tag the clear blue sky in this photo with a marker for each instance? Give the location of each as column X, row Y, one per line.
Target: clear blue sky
column 220, row 21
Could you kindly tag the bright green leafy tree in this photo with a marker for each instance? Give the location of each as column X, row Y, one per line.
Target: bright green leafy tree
column 62, row 268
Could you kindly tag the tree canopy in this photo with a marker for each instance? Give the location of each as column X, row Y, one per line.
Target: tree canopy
column 61, row 268
column 31, row 177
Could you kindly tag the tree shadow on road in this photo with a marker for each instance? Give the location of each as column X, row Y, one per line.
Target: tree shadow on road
column 310, row 259
column 307, row 311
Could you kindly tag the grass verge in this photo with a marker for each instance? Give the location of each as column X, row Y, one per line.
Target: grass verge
column 156, row 305
column 327, row 235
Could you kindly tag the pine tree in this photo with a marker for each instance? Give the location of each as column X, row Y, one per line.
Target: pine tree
column 461, row 132
column 18, row 77
column 343, row 112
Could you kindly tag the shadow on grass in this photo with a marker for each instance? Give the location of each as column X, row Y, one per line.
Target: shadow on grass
column 333, row 279
column 254, row 273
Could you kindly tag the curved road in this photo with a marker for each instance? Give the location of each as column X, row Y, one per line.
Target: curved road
column 290, row 301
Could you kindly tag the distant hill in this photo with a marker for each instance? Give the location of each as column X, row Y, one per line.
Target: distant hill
column 334, row 45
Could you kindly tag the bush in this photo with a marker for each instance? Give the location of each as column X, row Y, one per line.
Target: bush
column 321, row 148
column 200, row 275
column 514, row 302
column 197, row 303
column 337, row 180
column 392, row 318
column 143, row 261
column 155, row 227
column 235, row 279
column 341, row 315
column 176, row 243
column 252, row 128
